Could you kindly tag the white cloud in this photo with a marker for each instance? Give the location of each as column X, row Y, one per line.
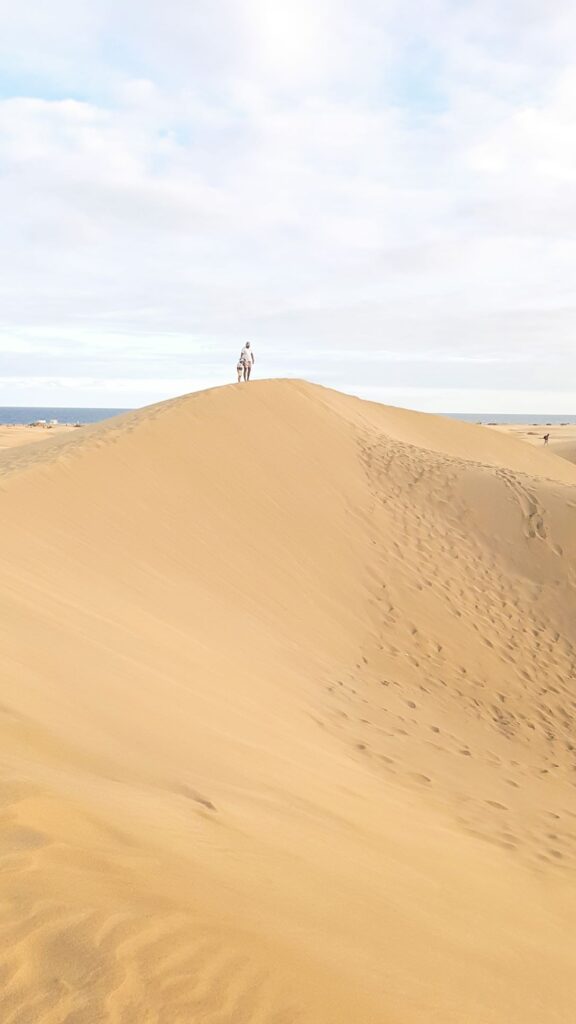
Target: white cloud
column 383, row 181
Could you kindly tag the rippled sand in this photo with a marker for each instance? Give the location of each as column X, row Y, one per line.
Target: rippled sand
column 287, row 718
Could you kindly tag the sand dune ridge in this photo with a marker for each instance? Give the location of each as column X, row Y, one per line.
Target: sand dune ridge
column 287, row 718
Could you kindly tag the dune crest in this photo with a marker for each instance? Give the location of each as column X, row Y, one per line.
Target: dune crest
column 287, row 718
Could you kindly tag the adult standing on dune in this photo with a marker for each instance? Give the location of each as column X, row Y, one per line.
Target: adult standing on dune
column 247, row 360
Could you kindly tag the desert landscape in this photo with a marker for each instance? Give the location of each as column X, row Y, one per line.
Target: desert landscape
column 562, row 436
column 287, row 719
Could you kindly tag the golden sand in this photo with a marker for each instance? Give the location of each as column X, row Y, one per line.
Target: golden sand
column 562, row 439
column 287, row 719
column 13, row 435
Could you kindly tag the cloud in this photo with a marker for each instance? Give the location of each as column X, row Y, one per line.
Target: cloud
column 373, row 192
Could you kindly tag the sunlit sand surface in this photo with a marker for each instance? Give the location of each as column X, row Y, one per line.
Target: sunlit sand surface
column 287, row 718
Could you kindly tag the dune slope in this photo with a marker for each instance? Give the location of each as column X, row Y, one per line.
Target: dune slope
column 566, row 449
column 287, row 719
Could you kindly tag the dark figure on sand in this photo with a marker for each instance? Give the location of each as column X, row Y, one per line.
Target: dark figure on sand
column 546, row 438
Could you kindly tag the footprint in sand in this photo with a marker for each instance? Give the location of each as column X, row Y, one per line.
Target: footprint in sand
column 192, row 794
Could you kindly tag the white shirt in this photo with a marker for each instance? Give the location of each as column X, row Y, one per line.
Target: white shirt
column 246, row 355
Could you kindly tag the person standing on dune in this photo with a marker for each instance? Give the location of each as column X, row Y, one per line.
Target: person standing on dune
column 247, row 360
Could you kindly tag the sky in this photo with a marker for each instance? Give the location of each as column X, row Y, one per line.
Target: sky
column 379, row 195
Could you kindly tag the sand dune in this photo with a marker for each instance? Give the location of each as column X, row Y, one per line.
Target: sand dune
column 566, row 449
column 562, row 436
column 287, row 719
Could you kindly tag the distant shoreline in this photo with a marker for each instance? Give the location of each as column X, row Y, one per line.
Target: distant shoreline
column 513, row 419
column 16, row 416
column 68, row 416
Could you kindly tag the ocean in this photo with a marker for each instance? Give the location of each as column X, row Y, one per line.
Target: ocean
column 29, row 414
column 534, row 419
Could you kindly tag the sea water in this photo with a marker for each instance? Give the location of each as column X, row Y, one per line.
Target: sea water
column 533, row 419
column 31, row 413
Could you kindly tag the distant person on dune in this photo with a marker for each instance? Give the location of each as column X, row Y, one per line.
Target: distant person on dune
column 247, row 360
column 240, row 369
column 546, row 438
